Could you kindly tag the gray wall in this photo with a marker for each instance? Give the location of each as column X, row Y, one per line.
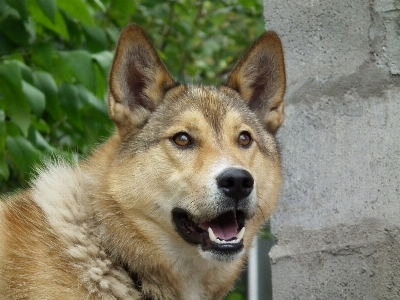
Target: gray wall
column 338, row 222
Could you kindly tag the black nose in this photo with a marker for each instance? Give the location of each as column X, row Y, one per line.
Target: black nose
column 235, row 183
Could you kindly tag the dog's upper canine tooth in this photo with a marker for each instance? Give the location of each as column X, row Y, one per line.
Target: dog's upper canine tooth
column 240, row 235
column 211, row 234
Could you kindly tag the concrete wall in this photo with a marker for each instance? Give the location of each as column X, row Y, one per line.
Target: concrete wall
column 338, row 222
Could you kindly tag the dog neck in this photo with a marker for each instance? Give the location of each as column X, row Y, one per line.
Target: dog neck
column 176, row 277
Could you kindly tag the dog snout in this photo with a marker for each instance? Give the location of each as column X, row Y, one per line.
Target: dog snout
column 235, row 183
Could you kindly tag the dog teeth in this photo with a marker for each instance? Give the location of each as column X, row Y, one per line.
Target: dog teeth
column 211, row 234
column 240, row 235
column 214, row 239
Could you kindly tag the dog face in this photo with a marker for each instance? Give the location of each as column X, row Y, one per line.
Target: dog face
column 197, row 168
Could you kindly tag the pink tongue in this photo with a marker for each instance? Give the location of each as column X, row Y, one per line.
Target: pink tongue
column 224, row 227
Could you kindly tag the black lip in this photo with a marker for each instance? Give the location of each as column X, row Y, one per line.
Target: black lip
column 190, row 231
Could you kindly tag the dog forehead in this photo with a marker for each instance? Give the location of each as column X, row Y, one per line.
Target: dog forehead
column 198, row 104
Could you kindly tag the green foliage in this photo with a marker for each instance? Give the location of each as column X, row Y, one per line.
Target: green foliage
column 238, row 294
column 266, row 234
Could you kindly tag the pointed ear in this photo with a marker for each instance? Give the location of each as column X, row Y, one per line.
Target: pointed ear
column 138, row 80
column 260, row 79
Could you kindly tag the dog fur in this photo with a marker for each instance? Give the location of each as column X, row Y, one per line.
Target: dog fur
column 105, row 228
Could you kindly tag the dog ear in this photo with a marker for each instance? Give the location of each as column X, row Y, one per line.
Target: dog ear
column 138, row 80
column 260, row 79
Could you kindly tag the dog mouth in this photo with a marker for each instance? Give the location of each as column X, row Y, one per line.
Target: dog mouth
column 223, row 234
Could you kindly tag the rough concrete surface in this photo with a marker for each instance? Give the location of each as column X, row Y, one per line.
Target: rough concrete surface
column 341, row 148
column 385, row 33
column 337, row 225
column 322, row 38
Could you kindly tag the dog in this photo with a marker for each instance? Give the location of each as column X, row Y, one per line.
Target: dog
column 168, row 206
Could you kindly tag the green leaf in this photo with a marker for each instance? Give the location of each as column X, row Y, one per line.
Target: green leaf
column 235, row 296
column 45, row 82
column 49, row 8
column 4, row 8
column 21, row 6
column 12, row 129
column 16, row 105
column 96, row 38
column 26, row 72
column 81, row 65
column 59, row 69
column 42, row 126
column 74, row 30
column 77, row 9
column 2, row 131
column 11, row 72
column 71, row 104
column 122, row 10
column 113, row 33
column 101, row 82
column 250, row 3
column 16, row 31
column 6, row 45
column 88, row 98
column 4, row 171
column 58, row 26
column 42, row 55
column 104, row 60
column 23, row 153
column 267, row 235
column 20, row 114
column 35, row 97
column 41, row 142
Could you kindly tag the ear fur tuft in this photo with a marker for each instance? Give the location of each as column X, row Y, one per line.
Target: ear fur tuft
column 260, row 79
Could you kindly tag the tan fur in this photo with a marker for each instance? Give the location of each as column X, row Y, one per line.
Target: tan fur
column 103, row 229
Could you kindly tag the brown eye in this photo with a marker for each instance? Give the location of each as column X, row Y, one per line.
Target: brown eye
column 245, row 139
column 182, row 140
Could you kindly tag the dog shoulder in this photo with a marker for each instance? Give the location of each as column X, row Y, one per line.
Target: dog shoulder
column 48, row 234
column 29, row 249
column 60, row 190
column 26, row 232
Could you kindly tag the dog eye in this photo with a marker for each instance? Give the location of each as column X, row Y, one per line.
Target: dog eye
column 245, row 139
column 182, row 140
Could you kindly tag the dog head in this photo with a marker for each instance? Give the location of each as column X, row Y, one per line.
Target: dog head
column 197, row 168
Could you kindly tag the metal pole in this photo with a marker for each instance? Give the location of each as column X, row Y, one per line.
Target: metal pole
column 252, row 275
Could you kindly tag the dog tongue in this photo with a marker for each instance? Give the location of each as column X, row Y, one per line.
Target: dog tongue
column 225, row 226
